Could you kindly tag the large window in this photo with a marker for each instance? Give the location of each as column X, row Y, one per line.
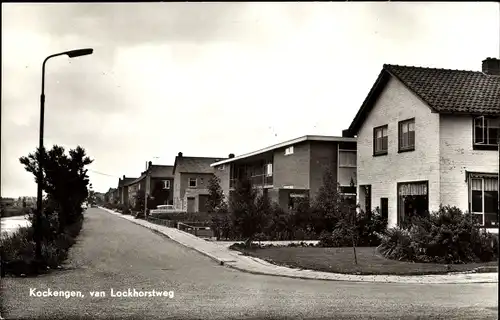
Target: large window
column 485, row 133
column 484, row 200
column 347, row 158
column 380, row 140
column 407, row 135
column 413, row 200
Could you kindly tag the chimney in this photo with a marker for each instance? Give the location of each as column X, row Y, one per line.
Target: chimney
column 150, row 163
column 179, row 154
column 231, row 155
column 491, row 66
column 123, row 177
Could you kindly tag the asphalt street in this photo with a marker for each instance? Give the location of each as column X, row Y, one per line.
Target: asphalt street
column 113, row 253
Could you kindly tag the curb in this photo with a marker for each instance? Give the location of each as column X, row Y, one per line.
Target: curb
column 492, row 277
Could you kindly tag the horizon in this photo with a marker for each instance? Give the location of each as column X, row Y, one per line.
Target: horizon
column 210, row 79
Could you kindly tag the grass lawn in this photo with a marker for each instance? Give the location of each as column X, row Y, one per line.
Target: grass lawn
column 341, row 260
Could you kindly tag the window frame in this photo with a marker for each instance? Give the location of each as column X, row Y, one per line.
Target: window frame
column 400, row 132
column 269, row 173
column 166, row 184
column 195, row 182
column 375, row 130
column 483, row 212
column 484, row 145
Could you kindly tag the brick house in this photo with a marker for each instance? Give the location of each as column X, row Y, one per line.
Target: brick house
column 157, row 181
column 191, row 176
column 160, row 185
column 427, row 137
column 293, row 168
column 123, row 190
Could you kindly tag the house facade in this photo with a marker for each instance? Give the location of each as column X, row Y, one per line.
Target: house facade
column 123, row 190
column 191, row 176
column 293, row 169
column 160, row 185
column 428, row 137
column 157, row 181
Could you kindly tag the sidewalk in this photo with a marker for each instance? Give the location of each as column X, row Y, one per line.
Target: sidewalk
column 233, row 259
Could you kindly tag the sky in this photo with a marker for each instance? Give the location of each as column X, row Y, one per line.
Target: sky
column 209, row 79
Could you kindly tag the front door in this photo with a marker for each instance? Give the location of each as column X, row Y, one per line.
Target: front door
column 190, row 204
column 202, row 203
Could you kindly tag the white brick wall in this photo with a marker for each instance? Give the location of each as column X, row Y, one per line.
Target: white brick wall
column 396, row 103
column 458, row 156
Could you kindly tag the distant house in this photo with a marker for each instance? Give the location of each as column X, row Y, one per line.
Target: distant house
column 427, row 137
column 294, row 168
column 191, row 176
column 123, row 190
column 109, row 196
column 161, row 185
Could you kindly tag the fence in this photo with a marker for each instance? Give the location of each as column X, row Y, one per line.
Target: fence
column 199, row 229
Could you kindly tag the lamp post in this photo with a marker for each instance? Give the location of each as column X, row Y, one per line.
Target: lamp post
column 41, row 151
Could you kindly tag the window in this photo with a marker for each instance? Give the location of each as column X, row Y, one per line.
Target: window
column 192, row 182
column 289, row 150
column 380, row 140
column 486, row 132
column 413, row 200
column 407, row 135
column 166, row 184
column 139, row 186
column 347, row 158
column 269, row 169
column 484, row 200
column 221, row 167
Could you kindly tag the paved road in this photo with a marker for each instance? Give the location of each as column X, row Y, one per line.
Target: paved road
column 115, row 253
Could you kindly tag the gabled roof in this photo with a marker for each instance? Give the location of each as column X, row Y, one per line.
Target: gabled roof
column 161, row 171
column 286, row 144
column 125, row 181
column 443, row 90
column 194, row 164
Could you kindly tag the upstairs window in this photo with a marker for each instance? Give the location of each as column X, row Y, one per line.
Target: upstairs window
column 192, row 182
column 289, row 150
column 269, row 169
column 407, row 135
column 380, row 140
column 485, row 133
column 166, row 184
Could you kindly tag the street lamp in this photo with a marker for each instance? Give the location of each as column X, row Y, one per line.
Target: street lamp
column 41, row 151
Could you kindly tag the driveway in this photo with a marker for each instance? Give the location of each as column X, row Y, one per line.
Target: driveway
column 113, row 253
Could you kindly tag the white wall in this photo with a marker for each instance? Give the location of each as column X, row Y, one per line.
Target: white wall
column 396, row 103
column 458, row 156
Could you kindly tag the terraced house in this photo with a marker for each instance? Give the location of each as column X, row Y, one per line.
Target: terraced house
column 191, row 176
column 427, row 137
column 294, row 168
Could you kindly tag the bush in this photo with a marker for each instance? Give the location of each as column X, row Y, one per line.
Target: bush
column 18, row 249
column 446, row 236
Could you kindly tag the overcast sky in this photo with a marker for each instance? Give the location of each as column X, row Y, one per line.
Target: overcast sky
column 210, row 79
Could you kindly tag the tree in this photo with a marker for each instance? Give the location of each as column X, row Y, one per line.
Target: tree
column 159, row 195
column 327, row 205
column 65, row 179
column 243, row 209
column 140, row 201
column 216, row 206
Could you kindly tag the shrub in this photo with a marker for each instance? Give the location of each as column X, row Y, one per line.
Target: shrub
column 18, row 249
column 446, row 236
